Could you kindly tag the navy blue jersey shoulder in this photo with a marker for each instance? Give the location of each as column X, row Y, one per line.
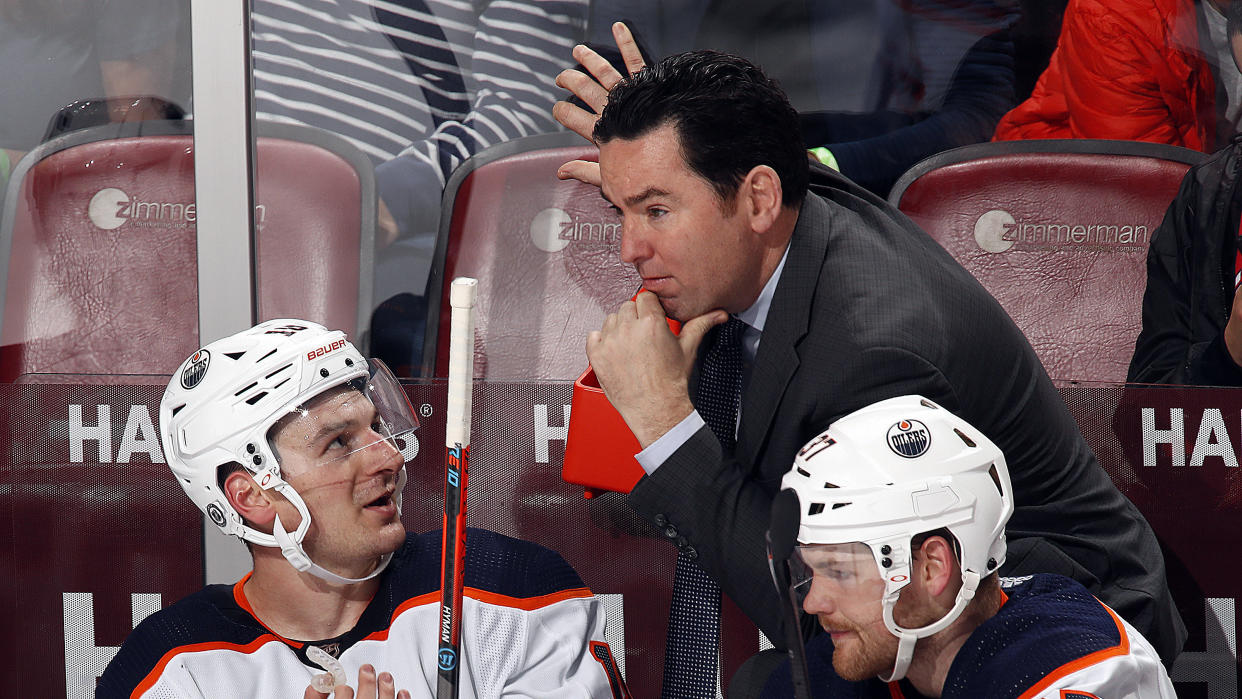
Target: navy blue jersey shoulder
column 1049, row 621
column 210, row 615
column 494, row 563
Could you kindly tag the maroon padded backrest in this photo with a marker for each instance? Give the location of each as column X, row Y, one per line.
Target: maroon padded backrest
column 103, row 276
column 546, row 254
column 1058, row 232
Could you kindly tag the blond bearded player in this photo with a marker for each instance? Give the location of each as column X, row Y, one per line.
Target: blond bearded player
column 900, row 517
column 285, row 436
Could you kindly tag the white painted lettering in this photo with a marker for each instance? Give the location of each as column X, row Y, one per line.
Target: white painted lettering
column 85, row 661
column 1213, row 440
column 1216, row 665
column 545, row 433
column 1174, row 436
column 139, row 436
column 100, row 432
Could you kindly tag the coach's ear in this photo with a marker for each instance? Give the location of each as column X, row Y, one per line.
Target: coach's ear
column 761, row 197
column 251, row 502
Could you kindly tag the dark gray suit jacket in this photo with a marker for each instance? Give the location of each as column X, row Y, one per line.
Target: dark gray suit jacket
column 869, row 307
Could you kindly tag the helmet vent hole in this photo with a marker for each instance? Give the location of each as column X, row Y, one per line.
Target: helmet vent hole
column 178, row 409
column 928, row 404
column 803, row 472
column 247, row 388
column 967, row 440
column 283, row 368
column 839, row 505
column 996, row 479
column 266, row 356
column 234, row 355
column 815, row 508
column 282, row 383
column 256, row 398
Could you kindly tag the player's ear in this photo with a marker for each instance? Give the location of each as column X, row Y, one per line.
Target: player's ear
column 761, row 194
column 939, row 567
column 250, row 501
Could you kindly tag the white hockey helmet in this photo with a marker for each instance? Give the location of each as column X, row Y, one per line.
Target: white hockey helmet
column 222, row 402
column 896, row 469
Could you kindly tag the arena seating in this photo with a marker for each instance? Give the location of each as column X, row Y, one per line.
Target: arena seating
column 99, row 225
column 546, row 254
column 1057, row 231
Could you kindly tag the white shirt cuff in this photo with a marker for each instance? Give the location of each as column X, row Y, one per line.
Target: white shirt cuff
column 658, row 451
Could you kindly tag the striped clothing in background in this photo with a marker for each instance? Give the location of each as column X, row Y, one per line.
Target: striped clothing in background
column 418, row 85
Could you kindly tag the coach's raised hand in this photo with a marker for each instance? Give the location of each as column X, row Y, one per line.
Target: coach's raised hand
column 644, row 368
column 593, row 91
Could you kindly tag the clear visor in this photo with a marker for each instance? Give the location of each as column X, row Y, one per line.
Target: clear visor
column 367, row 413
column 836, row 569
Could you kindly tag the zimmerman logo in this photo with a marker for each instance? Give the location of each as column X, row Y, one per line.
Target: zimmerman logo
column 553, row 229
column 909, row 438
column 112, row 208
column 193, row 373
column 997, row 231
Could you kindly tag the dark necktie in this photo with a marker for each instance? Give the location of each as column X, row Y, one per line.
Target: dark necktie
column 690, row 653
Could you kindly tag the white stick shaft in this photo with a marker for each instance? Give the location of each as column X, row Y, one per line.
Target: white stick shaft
column 462, row 295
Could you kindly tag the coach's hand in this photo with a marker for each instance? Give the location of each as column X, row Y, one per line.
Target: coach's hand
column 593, row 91
column 370, row 686
column 644, row 368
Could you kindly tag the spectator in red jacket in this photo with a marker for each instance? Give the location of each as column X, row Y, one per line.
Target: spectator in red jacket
column 1149, row 70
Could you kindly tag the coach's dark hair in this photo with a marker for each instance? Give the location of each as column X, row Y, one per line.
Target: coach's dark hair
column 729, row 116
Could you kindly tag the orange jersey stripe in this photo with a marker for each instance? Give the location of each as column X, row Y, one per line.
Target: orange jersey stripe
column 239, row 596
column 1122, row 648
column 524, row 603
column 149, row 681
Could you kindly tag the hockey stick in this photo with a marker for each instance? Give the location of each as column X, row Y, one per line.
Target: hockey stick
column 462, row 294
column 782, row 537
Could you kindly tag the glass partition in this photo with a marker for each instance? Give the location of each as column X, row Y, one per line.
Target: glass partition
column 99, row 186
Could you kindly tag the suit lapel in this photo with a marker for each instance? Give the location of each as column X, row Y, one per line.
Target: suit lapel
column 786, row 324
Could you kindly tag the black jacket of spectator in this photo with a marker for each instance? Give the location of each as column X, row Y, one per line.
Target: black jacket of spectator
column 1190, row 272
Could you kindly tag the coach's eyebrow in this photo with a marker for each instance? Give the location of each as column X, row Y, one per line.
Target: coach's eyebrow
column 645, row 194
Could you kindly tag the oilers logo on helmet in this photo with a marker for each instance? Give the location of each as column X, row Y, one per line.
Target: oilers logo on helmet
column 909, row 438
column 195, row 369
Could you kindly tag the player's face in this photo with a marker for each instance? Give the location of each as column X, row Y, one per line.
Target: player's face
column 692, row 251
column 333, row 455
column 846, row 593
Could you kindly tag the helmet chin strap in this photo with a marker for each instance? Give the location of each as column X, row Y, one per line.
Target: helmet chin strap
column 291, row 545
column 908, row 637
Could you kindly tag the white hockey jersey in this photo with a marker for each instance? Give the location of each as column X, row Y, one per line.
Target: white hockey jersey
column 1051, row 639
column 529, row 629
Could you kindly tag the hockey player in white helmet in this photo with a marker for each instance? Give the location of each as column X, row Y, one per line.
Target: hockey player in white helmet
column 899, row 513
column 287, row 437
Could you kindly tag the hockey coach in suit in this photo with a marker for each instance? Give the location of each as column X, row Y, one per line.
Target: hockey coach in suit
column 845, row 302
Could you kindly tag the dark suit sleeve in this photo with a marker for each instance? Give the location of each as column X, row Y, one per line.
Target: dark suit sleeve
column 722, row 507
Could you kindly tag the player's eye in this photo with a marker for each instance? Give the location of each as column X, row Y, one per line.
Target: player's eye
column 657, row 212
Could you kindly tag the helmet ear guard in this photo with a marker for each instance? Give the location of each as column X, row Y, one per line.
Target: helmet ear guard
column 887, row 473
column 223, row 402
